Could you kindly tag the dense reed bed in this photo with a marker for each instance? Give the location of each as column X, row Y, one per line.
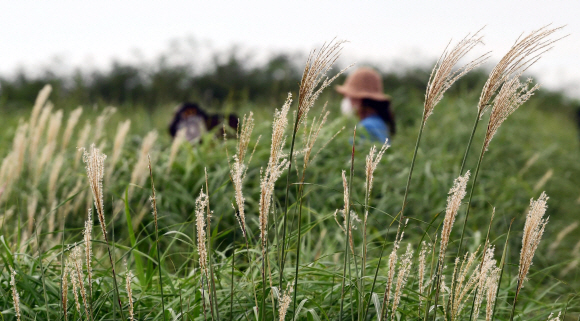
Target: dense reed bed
column 292, row 219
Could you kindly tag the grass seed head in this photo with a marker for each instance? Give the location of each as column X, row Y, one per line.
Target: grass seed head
column 95, row 166
column 525, row 52
column 402, row 277
column 284, row 303
column 87, row 235
column 128, row 280
column 443, row 74
column 533, row 231
column 456, row 195
column 200, row 206
column 511, row 96
column 318, row 64
column 15, row 295
column 71, row 122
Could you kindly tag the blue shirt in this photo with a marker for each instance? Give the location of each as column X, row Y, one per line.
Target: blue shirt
column 376, row 127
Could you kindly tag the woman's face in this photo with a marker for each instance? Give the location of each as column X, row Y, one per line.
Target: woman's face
column 357, row 106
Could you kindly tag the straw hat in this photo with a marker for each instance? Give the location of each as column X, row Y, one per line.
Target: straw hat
column 363, row 83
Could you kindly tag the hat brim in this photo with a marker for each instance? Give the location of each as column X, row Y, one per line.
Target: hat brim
column 361, row 94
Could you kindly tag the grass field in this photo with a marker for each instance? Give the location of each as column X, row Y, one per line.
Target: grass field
column 45, row 196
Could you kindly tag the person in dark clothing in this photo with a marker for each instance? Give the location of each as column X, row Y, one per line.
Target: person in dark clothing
column 195, row 121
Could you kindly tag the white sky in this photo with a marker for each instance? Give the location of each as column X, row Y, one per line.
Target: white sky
column 90, row 33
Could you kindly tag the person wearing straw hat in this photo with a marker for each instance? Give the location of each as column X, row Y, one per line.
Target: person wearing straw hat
column 363, row 95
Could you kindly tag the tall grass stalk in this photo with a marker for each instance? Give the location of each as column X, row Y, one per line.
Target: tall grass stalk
column 318, row 64
column 533, row 231
column 347, row 231
column 154, row 208
column 309, row 144
column 456, row 195
column 213, row 297
column 442, row 78
column 42, row 273
column 502, row 265
column 485, row 247
column 95, row 166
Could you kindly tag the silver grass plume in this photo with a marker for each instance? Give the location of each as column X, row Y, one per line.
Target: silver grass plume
column 37, row 131
column 15, row 295
column 371, row 162
column 353, row 217
column 32, row 204
column 491, row 286
column 239, row 167
column 533, row 230
column 77, row 266
column 200, row 205
column 487, row 267
column 443, row 74
column 456, row 195
column 101, row 120
column 54, row 127
column 510, row 97
column 425, row 250
column 38, row 104
column 312, row 135
column 71, row 122
column 65, row 290
column 128, row 280
column 95, row 166
column 402, row 277
column 318, row 64
column 53, row 178
column 75, row 283
column 393, row 259
column 464, row 284
column 153, row 197
column 122, row 130
column 284, row 303
column 276, row 165
column 140, row 171
column 525, row 52
column 177, row 141
column 83, row 137
column 87, row 234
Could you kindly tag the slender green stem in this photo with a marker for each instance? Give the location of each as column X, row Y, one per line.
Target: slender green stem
column 347, row 216
column 364, row 251
column 481, row 266
column 283, row 245
column 430, row 290
column 377, row 269
column 301, row 189
column 263, row 307
column 159, row 266
column 62, row 276
column 515, row 301
column 503, row 259
column 469, row 201
column 42, row 271
column 210, row 284
column 469, row 144
column 476, row 122
column 232, row 281
column 250, row 269
column 411, row 170
column 115, row 278
column 349, row 239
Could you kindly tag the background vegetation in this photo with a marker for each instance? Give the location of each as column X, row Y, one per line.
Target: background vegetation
column 537, row 149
